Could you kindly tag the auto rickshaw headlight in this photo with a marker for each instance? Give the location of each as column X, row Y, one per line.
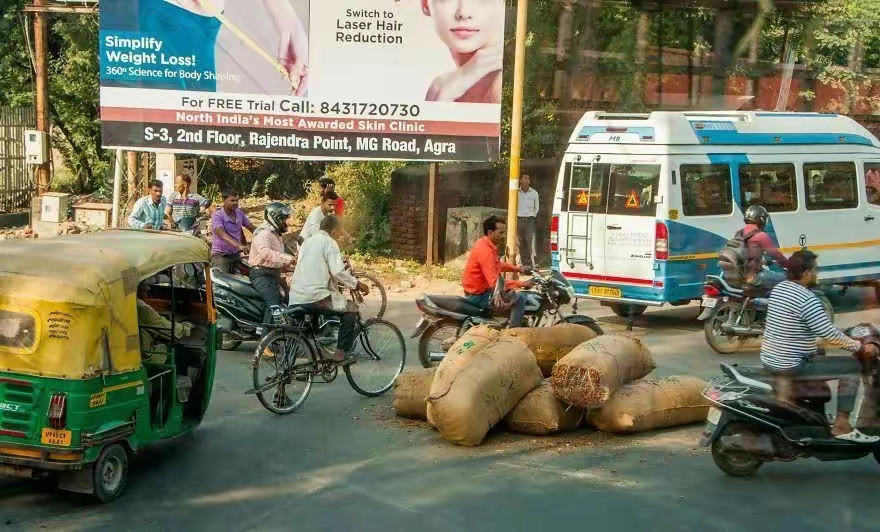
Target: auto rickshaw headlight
column 58, row 411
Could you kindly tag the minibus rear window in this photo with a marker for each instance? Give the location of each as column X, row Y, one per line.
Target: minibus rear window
column 17, row 330
column 627, row 189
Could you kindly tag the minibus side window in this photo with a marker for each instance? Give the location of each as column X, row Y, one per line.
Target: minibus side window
column 831, row 186
column 706, row 189
column 872, row 183
column 772, row 185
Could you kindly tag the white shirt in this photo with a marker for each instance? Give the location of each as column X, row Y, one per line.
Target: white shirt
column 313, row 223
column 319, row 271
column 527, row 205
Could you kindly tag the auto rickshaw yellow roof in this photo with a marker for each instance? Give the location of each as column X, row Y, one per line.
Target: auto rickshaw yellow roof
column 73, row 268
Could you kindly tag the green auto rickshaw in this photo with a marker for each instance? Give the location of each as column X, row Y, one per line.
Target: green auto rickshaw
column 107, row 344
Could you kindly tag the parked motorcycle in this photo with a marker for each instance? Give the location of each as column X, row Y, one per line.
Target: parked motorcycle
column 445, row 318
column 731, row 315
column 748, row 425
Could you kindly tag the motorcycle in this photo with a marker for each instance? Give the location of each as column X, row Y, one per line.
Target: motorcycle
column 737, row 314
column 240, row 309
column 445, row 318
column 748, row 425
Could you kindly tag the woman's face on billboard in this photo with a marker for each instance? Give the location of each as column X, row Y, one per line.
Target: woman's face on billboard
column 465, row 26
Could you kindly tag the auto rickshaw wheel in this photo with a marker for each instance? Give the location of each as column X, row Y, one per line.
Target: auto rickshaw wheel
column 110, row 472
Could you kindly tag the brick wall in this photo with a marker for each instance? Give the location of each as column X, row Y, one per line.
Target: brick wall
column 460, row 185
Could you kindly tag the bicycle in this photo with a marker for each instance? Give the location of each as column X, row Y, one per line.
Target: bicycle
column 372, row 306
column 299, row 349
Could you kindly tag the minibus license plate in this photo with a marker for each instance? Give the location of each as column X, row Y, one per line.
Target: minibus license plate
column 60, row 438
column 710, row 302
column 602, row 291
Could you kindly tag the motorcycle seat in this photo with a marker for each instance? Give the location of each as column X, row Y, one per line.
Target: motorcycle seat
column 754, row 376
column 754, row 291
column 456, row 304
column 237, row 284
column 815, row 390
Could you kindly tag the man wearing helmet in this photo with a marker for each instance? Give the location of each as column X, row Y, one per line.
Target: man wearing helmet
column 267, row 256
column 760, row 245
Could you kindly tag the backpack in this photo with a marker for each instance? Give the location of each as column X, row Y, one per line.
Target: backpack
column 734, row 257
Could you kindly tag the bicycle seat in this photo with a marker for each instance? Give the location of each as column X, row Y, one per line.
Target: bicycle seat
column 456, row 304
column 237, row 284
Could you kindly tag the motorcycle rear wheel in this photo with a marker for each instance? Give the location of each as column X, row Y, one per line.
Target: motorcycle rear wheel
column 713, row 333
column 436, row 334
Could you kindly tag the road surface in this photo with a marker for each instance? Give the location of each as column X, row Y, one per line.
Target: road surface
column 346, row 463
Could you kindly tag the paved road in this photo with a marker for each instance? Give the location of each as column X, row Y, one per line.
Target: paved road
column 345, row 463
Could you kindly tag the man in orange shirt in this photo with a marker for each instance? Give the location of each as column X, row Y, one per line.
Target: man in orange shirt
column 484, row 266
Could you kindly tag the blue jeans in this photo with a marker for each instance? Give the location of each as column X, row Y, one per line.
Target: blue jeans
column 768, row 279
column 517, row 311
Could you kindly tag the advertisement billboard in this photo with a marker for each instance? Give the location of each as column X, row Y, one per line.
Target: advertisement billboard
column 335, row 79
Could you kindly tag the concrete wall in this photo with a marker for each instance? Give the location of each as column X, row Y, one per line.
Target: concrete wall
column 460, row 185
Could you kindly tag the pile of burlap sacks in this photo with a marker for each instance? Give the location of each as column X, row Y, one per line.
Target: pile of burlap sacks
column 546, row 380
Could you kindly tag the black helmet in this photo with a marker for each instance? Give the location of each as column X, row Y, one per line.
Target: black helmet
column 756, row 214
column 276, row 214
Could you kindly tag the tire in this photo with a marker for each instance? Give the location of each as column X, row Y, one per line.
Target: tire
column 626, row 310
column 371, row 306
column 229, row 342
column 876, row 453
column 110, row 472
column 582, row 320
column 427, row 338
column 712, row 330
column 299, row 352
column 378, row 347
column 735, row 464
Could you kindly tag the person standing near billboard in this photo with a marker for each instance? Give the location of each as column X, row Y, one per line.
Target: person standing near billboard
column 473, row 30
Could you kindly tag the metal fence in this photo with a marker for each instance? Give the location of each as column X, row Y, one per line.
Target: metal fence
column 16, row 181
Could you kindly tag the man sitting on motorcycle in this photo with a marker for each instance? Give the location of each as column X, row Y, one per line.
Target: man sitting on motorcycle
column 796, row 318
column 760, row 245
column 484, row 266
column 184, row 205
column 267, row 257
column 319, row 272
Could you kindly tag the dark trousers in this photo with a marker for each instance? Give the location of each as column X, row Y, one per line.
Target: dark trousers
column 267, row 283
column 517, row 311
column 224, row 262
column 347, row 321
column 525, row 233
column 845, row 370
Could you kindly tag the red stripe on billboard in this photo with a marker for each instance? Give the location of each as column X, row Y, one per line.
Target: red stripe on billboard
column 300, row 123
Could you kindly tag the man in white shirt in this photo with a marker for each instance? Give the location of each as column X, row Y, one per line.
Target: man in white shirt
column 313, row 222
column 316, row 280
column 527, row 214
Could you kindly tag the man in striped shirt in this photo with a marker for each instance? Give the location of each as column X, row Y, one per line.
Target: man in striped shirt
column 796, row 318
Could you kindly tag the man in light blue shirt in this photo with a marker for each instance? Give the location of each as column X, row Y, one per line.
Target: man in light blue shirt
column 149, row 211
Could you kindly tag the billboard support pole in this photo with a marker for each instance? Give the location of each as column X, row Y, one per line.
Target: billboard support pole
column 519, row 64
column 431, row 247
column 117, row 188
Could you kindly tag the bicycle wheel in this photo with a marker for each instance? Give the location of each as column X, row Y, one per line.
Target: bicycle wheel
column 372, row 305
column 282, row 371
column 379, row 354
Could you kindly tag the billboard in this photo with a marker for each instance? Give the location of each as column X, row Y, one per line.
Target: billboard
column 335, row 79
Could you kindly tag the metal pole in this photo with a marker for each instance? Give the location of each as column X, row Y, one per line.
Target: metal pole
column 41, row 73
column 117, row 188
column 431, row 255
column 519, row 70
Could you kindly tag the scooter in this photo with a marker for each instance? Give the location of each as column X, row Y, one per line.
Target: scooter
column 748, row 425
column 240, row 309
column 445, row 318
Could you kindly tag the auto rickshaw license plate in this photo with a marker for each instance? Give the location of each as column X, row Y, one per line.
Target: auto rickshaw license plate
column 57, row 437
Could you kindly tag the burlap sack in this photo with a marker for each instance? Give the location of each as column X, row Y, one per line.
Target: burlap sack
column 411, row 390
column 594, row 370
column 652, row 404
column 487, row 384
column 470, row 343
column 541, row 413
column 549, row 344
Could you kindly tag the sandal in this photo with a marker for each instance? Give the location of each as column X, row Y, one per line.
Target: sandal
column 857, row 437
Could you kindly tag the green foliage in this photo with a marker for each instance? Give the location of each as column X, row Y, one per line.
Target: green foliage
column 366, row 189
